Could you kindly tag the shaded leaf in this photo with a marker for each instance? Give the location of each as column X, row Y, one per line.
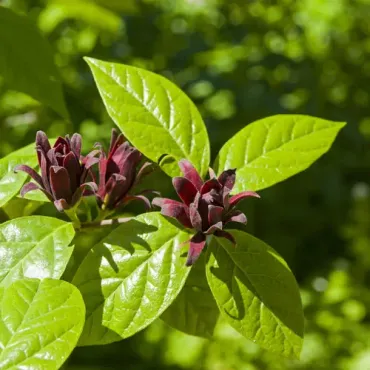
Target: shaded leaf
column 150, row 110
column 34, row 247
column 29, row 68
column 92, row 14
column 256, row 292
column 272, row 149
column 40, row 322
column 194, row 311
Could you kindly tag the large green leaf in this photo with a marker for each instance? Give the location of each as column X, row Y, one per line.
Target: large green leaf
column 256, row 292
column 10, row 182
column 26, row 61
column 34, row 247
column 154, row 114
column 194, row 311
column 130, row 277
column 272, row 149
column 40, row 323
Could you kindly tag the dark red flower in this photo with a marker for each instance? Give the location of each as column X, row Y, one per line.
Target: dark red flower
column 206, row 206
column 117, row 173
column 63, row 176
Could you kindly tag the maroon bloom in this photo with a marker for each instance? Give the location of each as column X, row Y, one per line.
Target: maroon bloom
column 63, row 177
column 206, row 206
column 117, row 173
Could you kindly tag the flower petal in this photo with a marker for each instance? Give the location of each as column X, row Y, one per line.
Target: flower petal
column 145, row 169
column 185, row 189
column 42, row 141
column 212, row 174
column 225, row 234
column 209, row 185
column 197, row 243
column 73, row 167
column 144, row 199
column 191, row 173
column 236, row 216
column 60, row 184
column 30, row 171
column 31, row 186
column 173, row 208
column 116, row 140
column 44, row 166
column 195, row 218
column 227, row 179
column 81, row 191
column 61, row 205
column 235, row 199
column 213, row 228
column 76, row 143
column 115, row 190
column 214, row 214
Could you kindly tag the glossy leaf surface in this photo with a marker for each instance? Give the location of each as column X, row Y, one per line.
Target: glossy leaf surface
column 34, row 247
column 272, row 149
column 256, row 292
column 154, row 114
column 131, row 276
column 40, row 323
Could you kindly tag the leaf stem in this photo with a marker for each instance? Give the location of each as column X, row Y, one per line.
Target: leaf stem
column 113, row 221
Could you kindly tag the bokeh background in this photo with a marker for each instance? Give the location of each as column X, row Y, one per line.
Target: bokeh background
column 239, row 60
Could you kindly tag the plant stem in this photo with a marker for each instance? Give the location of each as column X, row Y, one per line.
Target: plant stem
column 71, row 213
column 113, row 221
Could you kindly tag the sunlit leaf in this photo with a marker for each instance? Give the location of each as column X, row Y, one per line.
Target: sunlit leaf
column 10, row 182
column 34, row 247
column 130, row 277
column 272, row 149
column 40, row 323
column 154, row 114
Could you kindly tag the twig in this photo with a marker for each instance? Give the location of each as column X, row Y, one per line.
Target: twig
column 113, row 221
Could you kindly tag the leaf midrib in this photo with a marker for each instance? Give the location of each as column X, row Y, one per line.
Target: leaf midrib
column 279, row 148
column 142, row 103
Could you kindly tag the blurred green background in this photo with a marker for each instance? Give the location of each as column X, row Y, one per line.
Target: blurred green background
column 239, row 61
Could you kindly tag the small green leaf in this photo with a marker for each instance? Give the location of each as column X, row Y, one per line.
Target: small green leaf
column 130, row 277
column 40, row 323
column 34, row 247
column 154, row 114
column 10, row 182
column 272, row 149
column 194, row 311
column 256, row 292
column 26, row 61
column 85, row 11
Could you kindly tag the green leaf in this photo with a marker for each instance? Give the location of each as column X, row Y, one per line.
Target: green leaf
column 86, row 11
column 130, row 277
column 154, row 114
column 194, row 311
column 40, row 323
column 272, row 149
column 34, row 247
column 26, row 61
column 256, row 292
column 10, row 182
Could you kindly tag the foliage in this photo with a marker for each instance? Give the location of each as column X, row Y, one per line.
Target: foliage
column 238, row 62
